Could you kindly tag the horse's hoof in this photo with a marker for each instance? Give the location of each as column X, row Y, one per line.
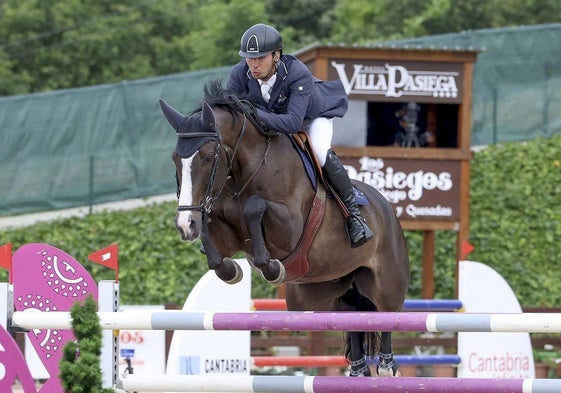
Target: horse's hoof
column 236, row 277
column 388, row 371
column 272, row 277
column 282, row 273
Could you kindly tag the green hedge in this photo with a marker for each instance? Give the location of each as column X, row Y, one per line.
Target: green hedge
column 515, row 226
column 515, row 222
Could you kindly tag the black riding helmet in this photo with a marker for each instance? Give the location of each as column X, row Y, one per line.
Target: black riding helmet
column 259, row 40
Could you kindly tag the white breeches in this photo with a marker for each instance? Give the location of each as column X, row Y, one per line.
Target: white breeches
column 321, row 133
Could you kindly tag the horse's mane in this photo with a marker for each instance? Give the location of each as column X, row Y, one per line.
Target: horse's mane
column 216, row 95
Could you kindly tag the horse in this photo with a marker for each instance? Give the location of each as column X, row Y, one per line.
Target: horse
column 242, row 188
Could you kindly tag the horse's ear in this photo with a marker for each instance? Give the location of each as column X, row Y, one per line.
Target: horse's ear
column 174, row 117
column 207, row 118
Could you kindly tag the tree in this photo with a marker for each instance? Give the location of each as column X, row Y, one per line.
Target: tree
column 215, row 38
column 56, row 44
column 10, row 82
column 80, row 370
column 305, row 20
column 378, row 20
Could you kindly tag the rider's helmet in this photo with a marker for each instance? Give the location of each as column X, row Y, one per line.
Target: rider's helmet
column 259, row 40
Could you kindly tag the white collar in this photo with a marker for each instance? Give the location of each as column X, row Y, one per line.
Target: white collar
column 270, row 82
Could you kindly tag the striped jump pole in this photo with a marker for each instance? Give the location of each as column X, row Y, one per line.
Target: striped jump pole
column 340, row 361
column 299, row 384
column 433, row 305
column 409, row 305
column 295, row 321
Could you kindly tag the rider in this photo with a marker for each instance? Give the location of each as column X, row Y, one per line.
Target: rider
column 289, row 98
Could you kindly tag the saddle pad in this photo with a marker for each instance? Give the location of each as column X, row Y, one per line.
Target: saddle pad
column 308, row 165
column 310, row 170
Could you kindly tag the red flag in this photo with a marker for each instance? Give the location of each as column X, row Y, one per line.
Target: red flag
column 466, row 249
column 6, row 256
column 107, row 256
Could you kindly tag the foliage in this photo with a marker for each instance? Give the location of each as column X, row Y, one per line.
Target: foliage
column 515, row 225
column 57, row 44
column 549, row 355
column 155, row 266
column 79, row 367
column 365, row 20
column 310, row 20
column 515, row 222
column 516, row 216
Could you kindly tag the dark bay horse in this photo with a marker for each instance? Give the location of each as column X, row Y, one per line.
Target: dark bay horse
column 243, row 189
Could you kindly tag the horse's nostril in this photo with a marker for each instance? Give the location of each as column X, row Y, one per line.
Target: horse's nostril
column 187, row 226
column 179, row 228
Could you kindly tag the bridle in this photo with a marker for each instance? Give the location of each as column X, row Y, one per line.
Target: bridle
column 205, row 207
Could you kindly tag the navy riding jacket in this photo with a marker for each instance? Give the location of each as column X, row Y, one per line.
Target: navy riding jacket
column 296, row 96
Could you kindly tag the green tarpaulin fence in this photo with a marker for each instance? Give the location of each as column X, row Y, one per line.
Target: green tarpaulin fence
column 91, row 145
column 85, row 146
column 517, row 80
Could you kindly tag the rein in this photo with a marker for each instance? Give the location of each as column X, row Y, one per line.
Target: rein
column 252, row 116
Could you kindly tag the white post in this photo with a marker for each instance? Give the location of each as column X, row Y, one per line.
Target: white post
column 108, row 300
column 6, row 304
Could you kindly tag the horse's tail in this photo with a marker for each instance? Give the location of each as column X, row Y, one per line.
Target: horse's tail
column 371, row 344
column 355, row 301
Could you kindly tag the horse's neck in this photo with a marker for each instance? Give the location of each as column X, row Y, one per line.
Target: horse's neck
column 267, row 163
column 250, row 158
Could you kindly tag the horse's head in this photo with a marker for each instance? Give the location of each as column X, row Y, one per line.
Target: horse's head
column 201, row 164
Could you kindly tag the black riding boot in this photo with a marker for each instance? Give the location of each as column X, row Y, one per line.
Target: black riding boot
column 359, row 233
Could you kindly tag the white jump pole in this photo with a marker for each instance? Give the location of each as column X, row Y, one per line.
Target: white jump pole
column 309, row 384
column 294, row 321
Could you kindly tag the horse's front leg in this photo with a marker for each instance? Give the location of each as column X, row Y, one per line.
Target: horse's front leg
column 271, row 269
column 225, row 268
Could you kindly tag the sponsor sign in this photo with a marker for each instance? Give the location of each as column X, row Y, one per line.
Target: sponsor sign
column 399, row 81
column 191, row 365
column 143, row 350
column 419, row 189
column 213, row 352
column 491, row 355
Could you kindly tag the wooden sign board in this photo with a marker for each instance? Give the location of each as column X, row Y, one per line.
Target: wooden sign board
column 427, row 184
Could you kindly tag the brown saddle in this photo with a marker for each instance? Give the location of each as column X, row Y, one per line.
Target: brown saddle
column 296, row 264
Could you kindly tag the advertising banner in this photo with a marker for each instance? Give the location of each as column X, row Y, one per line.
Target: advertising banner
column 418, row 189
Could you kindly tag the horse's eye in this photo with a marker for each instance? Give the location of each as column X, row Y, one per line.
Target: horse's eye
column 209, row 158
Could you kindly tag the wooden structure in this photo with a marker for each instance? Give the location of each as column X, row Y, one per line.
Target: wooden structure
column 407, row 132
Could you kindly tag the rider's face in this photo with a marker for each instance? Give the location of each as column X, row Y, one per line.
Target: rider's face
column 261, row 67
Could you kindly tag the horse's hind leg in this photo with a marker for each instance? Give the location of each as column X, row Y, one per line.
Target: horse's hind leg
column 363, row 344
column 272, row 269
column 356, row 357
column 386, row 367
column 355, row 353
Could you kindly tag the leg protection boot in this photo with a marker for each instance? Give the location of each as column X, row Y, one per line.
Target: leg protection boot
column 358, row 230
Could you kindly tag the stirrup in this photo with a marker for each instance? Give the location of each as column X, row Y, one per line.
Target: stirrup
column 366, row 231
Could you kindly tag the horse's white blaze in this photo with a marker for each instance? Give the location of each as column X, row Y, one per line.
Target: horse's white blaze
column 186, row 195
